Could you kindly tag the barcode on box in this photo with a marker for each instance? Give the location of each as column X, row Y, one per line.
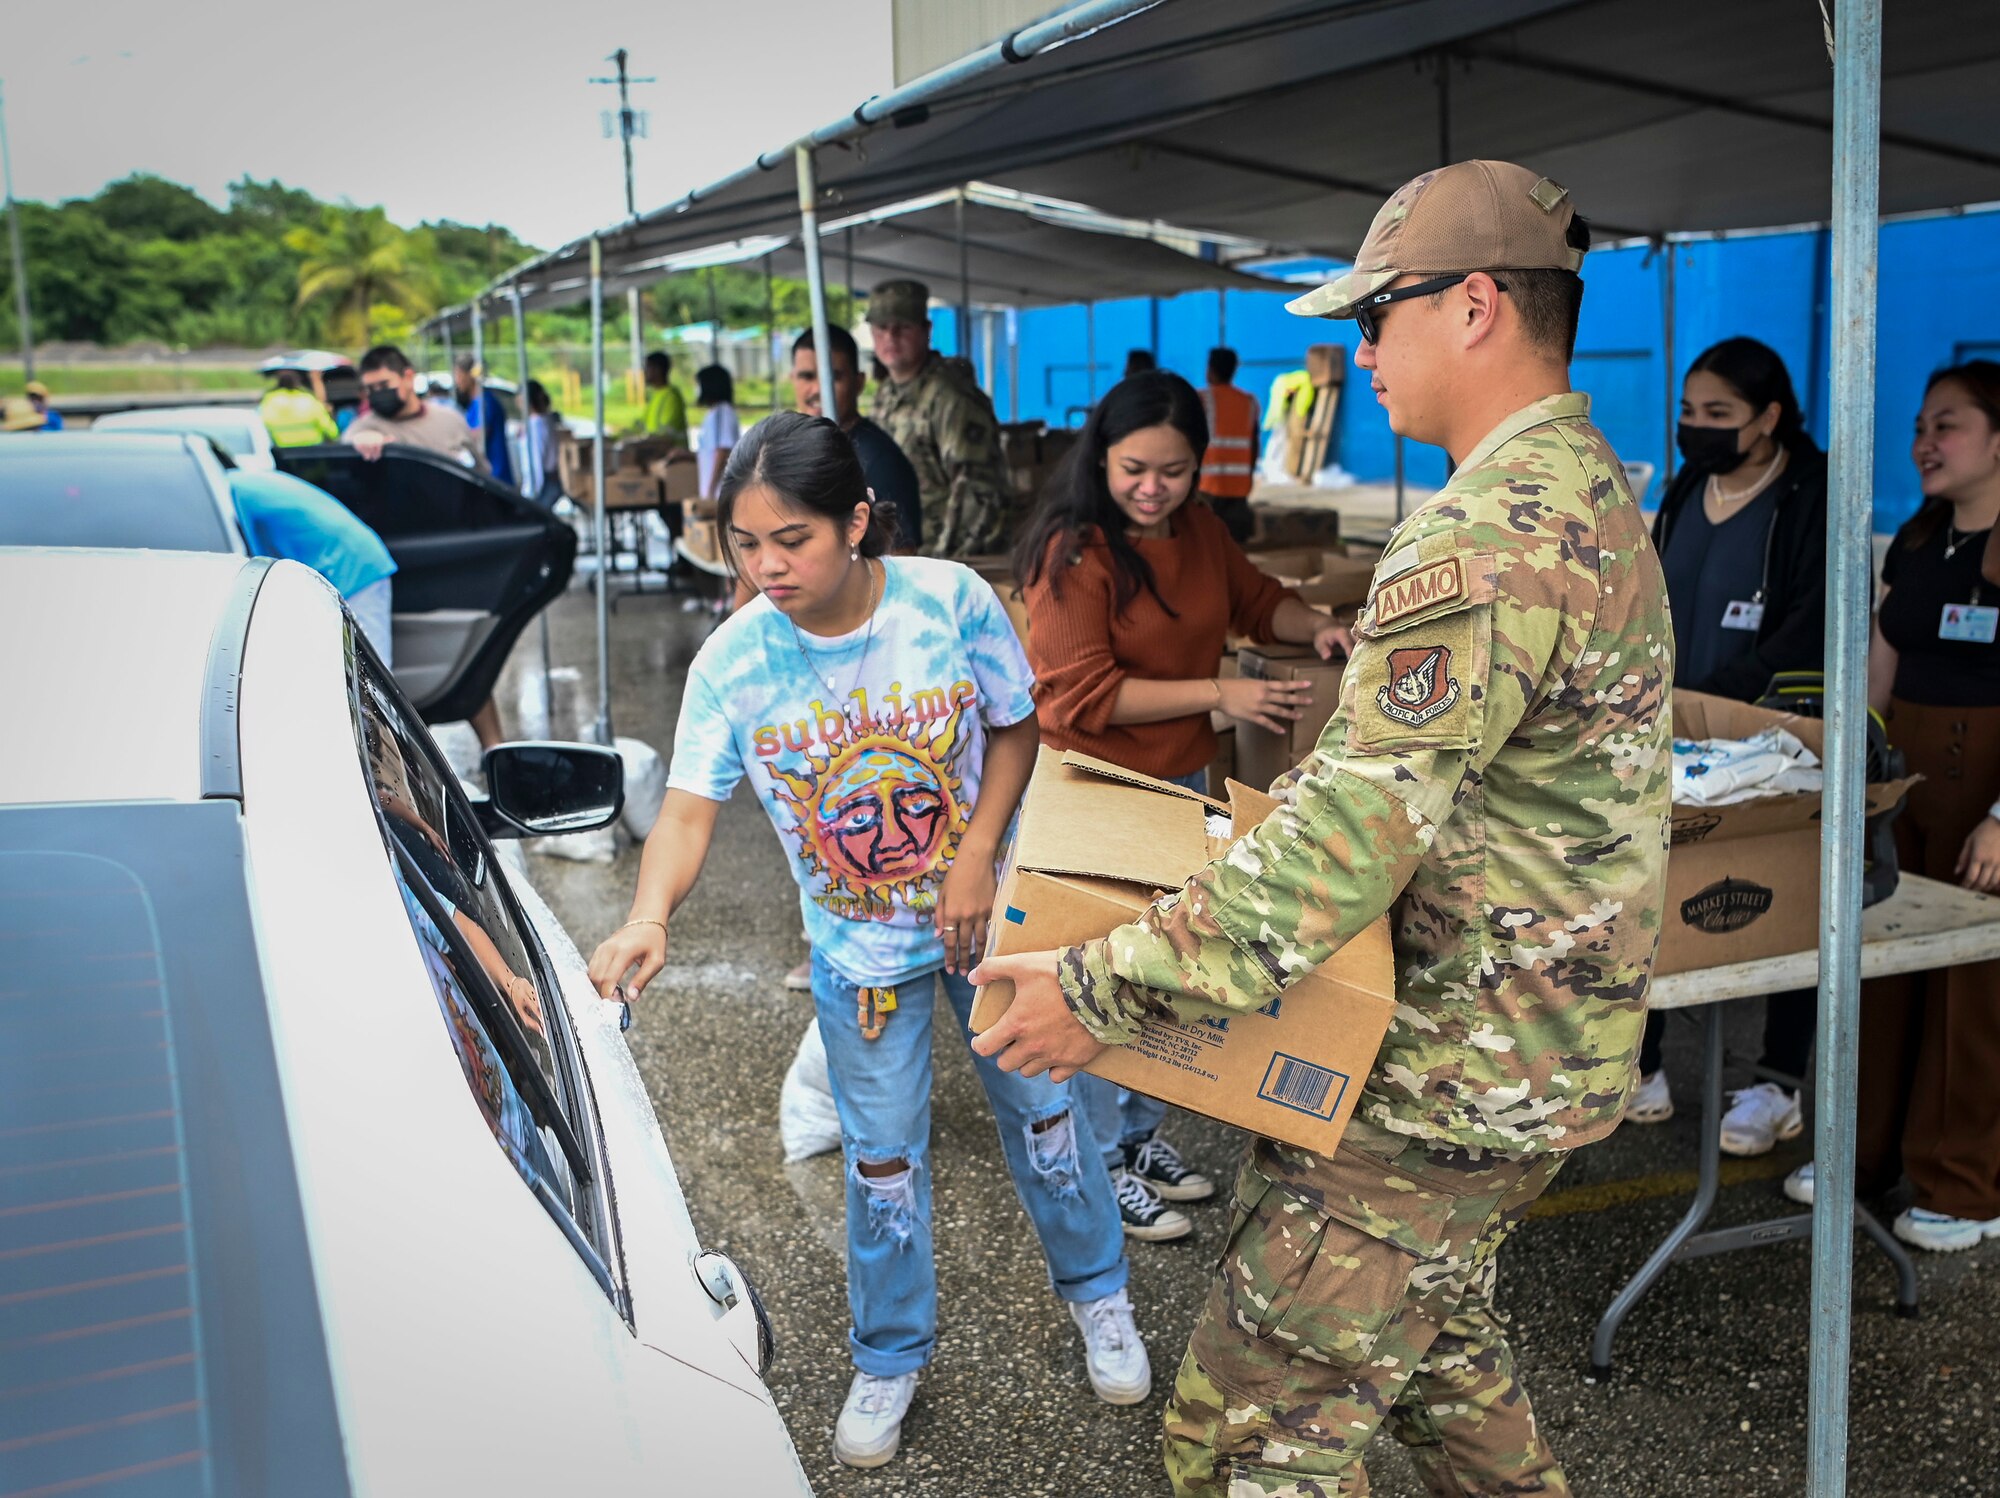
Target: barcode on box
column 1303, row 1086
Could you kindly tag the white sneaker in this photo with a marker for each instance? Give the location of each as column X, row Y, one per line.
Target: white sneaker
column 1116, row 1359
column 871, row 1422
column 800, row 978
column 1941, row 1234
column 1799, row 1185
column 1758, row 1118
column 1651, row 1102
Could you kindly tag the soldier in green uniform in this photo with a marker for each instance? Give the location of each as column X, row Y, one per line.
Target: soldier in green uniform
column 943, row 422
column 1497, row 780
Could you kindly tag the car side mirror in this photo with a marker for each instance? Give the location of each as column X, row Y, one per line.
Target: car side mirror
column 541, row 789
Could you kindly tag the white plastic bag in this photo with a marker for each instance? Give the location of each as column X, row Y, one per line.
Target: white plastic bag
column 645, row 785
column 808, row 1123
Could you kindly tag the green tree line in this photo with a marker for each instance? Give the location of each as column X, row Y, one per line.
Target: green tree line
column 149, row 259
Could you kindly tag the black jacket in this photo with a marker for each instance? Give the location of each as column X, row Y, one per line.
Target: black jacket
column 1793, row 634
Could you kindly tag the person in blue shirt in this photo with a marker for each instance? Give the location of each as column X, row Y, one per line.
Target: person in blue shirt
column 485, row 415
column 287, row 518
column 38, row 397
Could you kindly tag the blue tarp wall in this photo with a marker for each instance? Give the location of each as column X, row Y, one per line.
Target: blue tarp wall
column 1940, row 280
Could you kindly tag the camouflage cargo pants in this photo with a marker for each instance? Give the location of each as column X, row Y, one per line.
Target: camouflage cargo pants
column 1355, row 1289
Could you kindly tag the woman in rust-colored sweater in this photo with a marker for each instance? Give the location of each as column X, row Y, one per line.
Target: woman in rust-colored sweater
column 1132, row 593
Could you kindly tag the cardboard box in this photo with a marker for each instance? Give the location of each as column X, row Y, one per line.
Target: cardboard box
column 1290, row 565
column 1222, row 769
column 680, row 477
column 1095, row 843
column 998, row 571
column 1326, row 363
column 1281, row 526
column 1341, row 585
column 1743, row 880
column 1261, row 755
column 638, row 454
column 698, row 530
column 630, row 490
column 573, row 470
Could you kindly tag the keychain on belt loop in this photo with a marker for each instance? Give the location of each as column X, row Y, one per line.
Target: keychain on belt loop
column 872, row 1009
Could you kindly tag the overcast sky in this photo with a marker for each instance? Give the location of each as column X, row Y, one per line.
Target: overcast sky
column 432, row 110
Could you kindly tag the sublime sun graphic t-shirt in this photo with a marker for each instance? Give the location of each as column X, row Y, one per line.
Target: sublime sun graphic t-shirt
column 865, row 749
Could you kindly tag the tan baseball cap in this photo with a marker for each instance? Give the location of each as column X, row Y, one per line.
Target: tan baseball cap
column 899, row 301
column 1471, row 215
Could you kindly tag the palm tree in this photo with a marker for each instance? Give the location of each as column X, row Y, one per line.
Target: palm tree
column 356, row 261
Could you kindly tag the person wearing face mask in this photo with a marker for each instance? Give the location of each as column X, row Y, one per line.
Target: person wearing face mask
column 1131, row 594
column 1926, row 1104
column 396, row 413
column 1742, row 534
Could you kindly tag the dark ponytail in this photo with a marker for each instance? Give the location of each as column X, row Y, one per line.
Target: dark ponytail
column 1755, row 372
column 1077, row 501
column 809, row 464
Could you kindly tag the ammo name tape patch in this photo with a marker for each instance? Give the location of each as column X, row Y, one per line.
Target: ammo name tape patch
column 1421, row 588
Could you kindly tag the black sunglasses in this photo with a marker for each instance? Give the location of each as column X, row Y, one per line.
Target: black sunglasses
column 1366, row 311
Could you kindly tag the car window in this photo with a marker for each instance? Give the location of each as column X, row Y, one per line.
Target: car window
column 493, row 983
column 230, row 432
column 159, row 1325
column 56, row 493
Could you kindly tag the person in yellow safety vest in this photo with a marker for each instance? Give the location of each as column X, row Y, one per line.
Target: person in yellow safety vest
column 666, row 413
column 294, row 415
column 1230, row 463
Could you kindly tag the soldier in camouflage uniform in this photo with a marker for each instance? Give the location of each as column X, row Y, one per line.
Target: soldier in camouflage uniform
column 945, row 425
column 1497, row 779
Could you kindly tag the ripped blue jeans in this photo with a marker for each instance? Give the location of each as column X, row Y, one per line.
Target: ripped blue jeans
column 882, row 1088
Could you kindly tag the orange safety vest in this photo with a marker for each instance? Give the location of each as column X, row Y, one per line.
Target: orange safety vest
column 1230, row 462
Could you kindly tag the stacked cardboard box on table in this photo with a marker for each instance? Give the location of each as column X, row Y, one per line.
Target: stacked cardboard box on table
column 998, row 571
column 1095, row 844
column 1743, row 880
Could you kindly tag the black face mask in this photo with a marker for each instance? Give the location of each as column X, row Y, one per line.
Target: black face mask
column 1710, row 449
column 386, row 401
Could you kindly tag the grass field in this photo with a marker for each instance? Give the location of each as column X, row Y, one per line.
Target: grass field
column 132, row 379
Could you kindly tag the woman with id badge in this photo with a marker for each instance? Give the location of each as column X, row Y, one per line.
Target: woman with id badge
column 1742, row 537
column 1930, row 1042
column 881, row 709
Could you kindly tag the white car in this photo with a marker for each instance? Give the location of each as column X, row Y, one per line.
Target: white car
column 323, row 1169
column 237, row 430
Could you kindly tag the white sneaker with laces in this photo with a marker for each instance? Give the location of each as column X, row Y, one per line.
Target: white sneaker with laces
column 871, row 1422
column 1115, row 1358
column 1758, row 1118
column 1799, row 1185
column 1941, row 1234
column 1651, row 1102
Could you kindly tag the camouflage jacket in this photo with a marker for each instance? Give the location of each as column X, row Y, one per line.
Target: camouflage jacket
column 1497, row 777
column 945, row 426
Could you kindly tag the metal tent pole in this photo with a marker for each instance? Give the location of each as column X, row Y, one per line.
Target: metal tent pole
column 829, row 399
column 633, row 319
column 964, row 281
column 848, row 281
column 479, row 338
column 1013, row 364
column 1857, row 149
column 600, row 528
column 531, row 487
column 1090, row 351
column 1667, row 319
column 444, row 326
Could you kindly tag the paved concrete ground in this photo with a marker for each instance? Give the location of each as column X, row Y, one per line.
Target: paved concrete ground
column 1709, row 1395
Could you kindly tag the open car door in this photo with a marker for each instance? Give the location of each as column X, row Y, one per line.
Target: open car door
column 474, row 563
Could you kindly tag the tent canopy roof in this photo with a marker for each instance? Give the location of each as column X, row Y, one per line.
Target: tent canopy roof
column 1290, row 120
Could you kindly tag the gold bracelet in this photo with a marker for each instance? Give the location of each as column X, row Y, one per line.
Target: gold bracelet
column 645, row 920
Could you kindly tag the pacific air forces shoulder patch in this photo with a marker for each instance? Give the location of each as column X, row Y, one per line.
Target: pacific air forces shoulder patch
column 1422, row 650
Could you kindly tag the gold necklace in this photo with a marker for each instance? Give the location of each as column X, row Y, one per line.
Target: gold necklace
column 1716, row 493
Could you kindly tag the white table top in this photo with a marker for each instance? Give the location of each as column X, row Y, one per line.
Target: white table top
column 1925, row 924
column 705, row 564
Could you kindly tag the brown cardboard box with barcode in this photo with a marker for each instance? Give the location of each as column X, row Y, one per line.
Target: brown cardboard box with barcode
column 1095, row 844
column 1743, row 880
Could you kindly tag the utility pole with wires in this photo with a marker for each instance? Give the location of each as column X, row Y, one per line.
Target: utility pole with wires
column 21, row 311
column 628, row 122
